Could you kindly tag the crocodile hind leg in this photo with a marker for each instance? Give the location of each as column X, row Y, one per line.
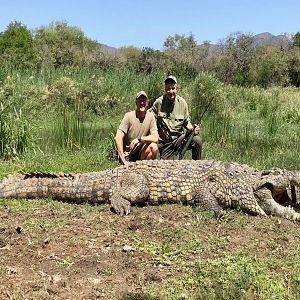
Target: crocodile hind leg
column 132, row 188
column 271, row 207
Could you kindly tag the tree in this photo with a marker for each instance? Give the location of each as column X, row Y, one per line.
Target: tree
column 150, row 60
column 234, row 57
column 294, row 66
column 269, row 66
column 60, row 45
column 183, row 53
column 180, row 42
column 16, row 45
column 130, row 56
column 296, row 40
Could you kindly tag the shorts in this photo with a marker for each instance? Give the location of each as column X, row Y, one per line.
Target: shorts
column 135, row 155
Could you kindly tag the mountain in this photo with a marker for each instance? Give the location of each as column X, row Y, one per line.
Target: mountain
column 267, row 38
column 109, row 50
column 261, row 39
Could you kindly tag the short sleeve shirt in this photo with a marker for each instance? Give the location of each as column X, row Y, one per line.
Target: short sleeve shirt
column 134, row 127
column 171, row 117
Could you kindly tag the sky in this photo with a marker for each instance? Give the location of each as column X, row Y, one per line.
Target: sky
column 141, row 24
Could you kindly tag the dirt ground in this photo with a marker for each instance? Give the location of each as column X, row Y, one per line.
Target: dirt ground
column 52, row 250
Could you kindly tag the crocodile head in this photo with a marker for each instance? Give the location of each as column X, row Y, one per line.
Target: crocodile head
column 284, row 185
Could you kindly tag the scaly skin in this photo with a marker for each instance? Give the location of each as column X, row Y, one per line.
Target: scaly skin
column 211, row 184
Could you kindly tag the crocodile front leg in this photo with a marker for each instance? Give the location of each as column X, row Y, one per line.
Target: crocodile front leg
column 119, row 204
column 206, row 200
column 131, row 188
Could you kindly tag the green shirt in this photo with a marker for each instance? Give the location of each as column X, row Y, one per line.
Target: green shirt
column 171, row 118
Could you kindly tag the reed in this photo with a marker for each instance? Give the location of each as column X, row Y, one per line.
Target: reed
column 15, row 136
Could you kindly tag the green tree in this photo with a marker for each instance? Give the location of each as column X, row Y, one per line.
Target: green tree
column 296, row 40
column 130, row 56
column 150, row 60
column 183, row 54
column 180, row 42
column 61, row 45
column 16, row 45
column 269, row 66
column 233, row 58
column 294, row 66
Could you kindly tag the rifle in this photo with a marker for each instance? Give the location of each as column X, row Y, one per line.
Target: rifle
column 188, row 137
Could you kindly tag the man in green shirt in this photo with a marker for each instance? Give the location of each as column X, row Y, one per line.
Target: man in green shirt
column 137, row 136
column 172, row 116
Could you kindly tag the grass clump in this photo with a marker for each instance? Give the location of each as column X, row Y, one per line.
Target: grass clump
column 235, row 276
column 15, row 136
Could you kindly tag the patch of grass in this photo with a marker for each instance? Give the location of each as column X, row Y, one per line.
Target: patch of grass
column 169, row 252
column 77, row 241
column 138, row 296
column 172, row 234
column 234, row 276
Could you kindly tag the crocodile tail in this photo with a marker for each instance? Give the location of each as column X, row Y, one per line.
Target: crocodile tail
column 28, row 185
column 94, row 188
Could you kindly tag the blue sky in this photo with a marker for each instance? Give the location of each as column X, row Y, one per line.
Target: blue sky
column 148, row 23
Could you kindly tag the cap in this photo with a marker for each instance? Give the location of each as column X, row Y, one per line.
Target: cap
column 171, row 79
column 141, row 93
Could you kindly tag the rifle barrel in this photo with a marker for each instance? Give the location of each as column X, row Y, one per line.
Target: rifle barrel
column 188, row 138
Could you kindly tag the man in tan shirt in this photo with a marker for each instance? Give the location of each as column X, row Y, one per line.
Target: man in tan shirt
column 137, row 135
column 172, row 115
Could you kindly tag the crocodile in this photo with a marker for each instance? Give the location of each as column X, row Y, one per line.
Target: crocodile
column 210, row 184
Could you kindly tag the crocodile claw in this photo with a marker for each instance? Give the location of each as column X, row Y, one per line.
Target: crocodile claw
column 120, row 206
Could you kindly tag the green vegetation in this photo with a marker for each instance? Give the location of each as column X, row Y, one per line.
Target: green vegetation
column 237, row 59
column 78, row 110
column 60, row 106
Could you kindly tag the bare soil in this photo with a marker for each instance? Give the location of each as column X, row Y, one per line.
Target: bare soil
column 52, row 250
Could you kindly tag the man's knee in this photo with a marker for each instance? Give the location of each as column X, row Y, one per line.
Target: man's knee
column 153, row 147
column 197, row 140
column 150, row 151
column 196, row 148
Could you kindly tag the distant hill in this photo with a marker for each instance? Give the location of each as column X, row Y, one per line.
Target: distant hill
column 108, row 49
column 267, row 38
column 260, row 39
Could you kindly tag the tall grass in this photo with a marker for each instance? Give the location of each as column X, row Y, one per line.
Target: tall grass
column 71, row 132
column 15, row 137
column 255, row 126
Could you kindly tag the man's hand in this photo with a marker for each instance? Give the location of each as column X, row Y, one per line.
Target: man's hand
column 197, row 128
column 133, row 144
column 126, row 163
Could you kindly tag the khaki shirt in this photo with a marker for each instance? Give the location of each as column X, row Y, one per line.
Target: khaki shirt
column 133, row 127
column 171, row 117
